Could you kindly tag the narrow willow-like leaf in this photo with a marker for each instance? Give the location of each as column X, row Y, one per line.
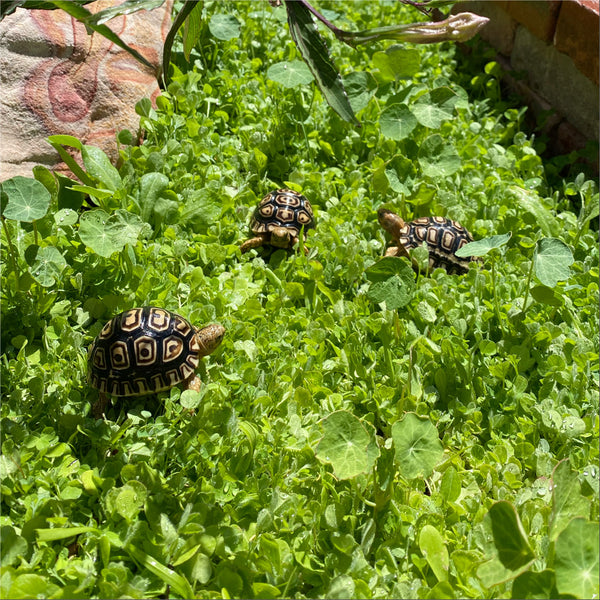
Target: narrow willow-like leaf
column 192, row 30
column 85, row 16
column 182, row 15
column 315, row 53
column 179, row 583
column 127, row 7
column 61, row 533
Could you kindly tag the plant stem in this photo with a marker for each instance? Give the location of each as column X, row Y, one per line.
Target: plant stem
column 495, row 292
column 336, row 30
column 11, row 249
column 527, row 285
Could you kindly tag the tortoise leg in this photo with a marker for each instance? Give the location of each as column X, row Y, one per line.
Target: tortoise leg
column 254, row 242
column 99, row 407
column 194, row 383
column 392, row 251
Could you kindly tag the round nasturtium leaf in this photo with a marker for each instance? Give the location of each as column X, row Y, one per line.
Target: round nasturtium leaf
column 437, row 157
column 290, row 73
column 347, row 444
column 224, row 27
column 47, row 266
column 28, row 199
column 552, row 261
column 418, row 446
column 576, row 559
column 397, row 121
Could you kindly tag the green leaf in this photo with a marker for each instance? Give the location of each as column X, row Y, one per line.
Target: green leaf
column 152, row 185
column 437, row 157
column 13, row 546
column 392, row 281
column 567, row 500
column 397, row 63
column 483, row 246
column 192, row 29
column 224, row 27
column 30, row 585
column 47, row 266
column 315, row 53
column 533, row 205
column 106, row 234
column 28, row 199
column 417, row 444
column 290, row 73
column 127, row 7
column 178, row 582
column 576, row 559
column 348, row 444
column 552, row 260
column 61, row 533
column 432, row 109
column 434, row 550
column 546, row 295
column 360, row 89
column 341, row 587
column 535, row 585
column 186, row 9
column 397, row 121
column 202, row 209
column 98, row 165
column 510, row 538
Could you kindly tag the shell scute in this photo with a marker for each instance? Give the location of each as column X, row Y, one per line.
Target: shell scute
column 146, row 350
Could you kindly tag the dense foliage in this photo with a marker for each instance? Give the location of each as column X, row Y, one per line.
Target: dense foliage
column 361, row 432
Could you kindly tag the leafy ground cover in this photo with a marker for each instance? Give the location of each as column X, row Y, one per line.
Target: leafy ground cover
column 361, row 432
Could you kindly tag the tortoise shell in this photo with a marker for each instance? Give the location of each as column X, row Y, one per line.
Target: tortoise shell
column 282, row 208
column 443, row 237
column 147, row 350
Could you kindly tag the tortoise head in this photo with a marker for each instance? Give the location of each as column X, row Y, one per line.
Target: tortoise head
column 209, row 338
column 281, row 237
column 390, row 221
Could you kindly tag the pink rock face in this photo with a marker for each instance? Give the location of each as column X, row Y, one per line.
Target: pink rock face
column 57, row 79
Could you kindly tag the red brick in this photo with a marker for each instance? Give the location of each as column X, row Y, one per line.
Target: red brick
column 539, row 16
column 577, row 35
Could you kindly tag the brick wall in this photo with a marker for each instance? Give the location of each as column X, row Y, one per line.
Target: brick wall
column 549, row 50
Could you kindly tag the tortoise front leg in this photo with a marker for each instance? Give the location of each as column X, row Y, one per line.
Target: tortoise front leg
column 194, row 383
column 254, row 242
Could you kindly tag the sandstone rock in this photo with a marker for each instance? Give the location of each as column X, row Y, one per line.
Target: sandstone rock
column 55, row 78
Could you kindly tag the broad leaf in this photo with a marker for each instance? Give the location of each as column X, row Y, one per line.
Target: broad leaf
column 576, row 559
column 290, row 73
column 28, row 199
column 347, row 444
column 552, row 260
column 418, row 446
